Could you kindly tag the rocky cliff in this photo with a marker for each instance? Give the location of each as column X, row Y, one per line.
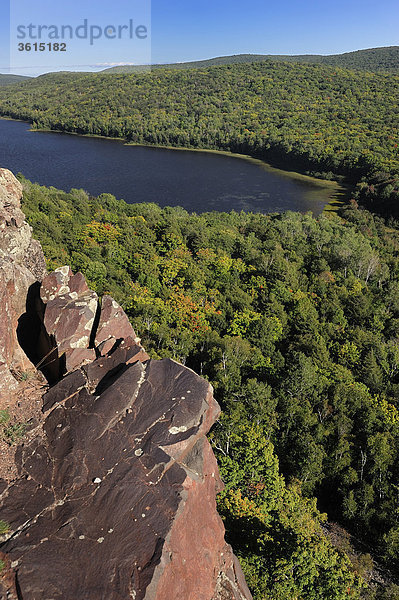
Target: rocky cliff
column 21, row 264
column 113, row 491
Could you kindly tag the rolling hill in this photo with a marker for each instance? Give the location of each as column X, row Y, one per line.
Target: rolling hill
column 372, row 59
column 9, row 79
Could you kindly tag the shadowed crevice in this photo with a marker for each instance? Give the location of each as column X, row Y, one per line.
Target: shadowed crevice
column 110, row 378
column 18, row 588
column 92, row 341
column 38, row 345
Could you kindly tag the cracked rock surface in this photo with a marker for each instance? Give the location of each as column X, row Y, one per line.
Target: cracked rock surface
column 116, row 493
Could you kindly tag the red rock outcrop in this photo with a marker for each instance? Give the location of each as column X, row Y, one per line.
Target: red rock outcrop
column 115, row 497
column 21, row 265
column 70, row 310
column 113, row 326
column 78, row 327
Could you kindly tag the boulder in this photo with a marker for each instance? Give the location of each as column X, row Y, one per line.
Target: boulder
column 69, row 313
column 78, row 326
column 113, row 326
column 16, row 241
column 15, row 280
column 116, row 498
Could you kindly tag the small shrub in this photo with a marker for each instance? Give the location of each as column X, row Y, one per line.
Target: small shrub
column 13, row 433
column 4, row 527
column 21, row 375
column 4, row 417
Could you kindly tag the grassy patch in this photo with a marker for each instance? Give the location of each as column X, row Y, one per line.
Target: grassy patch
column 10, row 433
column 4, row 527
column 4, row 417
column 13, row 433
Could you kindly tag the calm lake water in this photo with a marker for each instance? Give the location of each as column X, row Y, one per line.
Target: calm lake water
column 198, row 181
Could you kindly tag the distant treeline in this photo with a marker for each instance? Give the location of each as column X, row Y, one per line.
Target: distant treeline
column 372, row 59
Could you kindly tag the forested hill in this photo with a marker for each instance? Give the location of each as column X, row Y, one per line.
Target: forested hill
column 9, row 79
column 308, row 117
column 373, row 59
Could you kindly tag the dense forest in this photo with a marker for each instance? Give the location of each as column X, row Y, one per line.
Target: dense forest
column 373, row 59
column 318, row 119
column 295, row 321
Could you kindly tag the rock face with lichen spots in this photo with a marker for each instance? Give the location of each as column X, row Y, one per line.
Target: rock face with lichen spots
column 21, row 264
column 78, row 328
column 115, row 497
column 70, row 310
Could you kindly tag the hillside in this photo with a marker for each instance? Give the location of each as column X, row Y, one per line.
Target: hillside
column 373, row 59
column 9, row 79
column 313, row 118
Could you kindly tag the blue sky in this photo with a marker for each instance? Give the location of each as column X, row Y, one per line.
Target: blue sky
column 184, row 30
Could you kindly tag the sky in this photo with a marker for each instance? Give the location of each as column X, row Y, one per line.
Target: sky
column 183, row 30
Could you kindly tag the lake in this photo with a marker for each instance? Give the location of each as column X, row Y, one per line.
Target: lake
column 198, row 181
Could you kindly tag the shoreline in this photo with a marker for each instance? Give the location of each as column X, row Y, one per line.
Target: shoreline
column 335, row 188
